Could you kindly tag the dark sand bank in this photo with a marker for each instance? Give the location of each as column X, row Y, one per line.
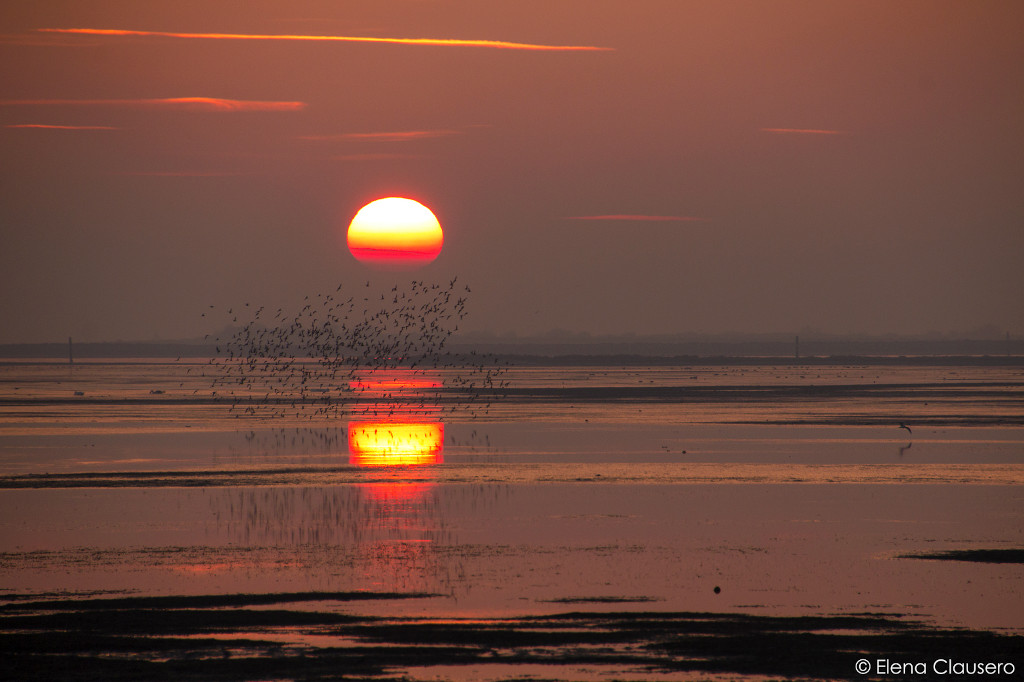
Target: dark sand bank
column 953, row 403
column 547, row 474
column 985, row 556
column 218, row 637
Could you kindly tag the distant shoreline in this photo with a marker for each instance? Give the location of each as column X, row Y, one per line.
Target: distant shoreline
column 824, row 353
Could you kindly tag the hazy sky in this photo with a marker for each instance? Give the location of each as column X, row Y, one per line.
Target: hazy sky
column 845, row 165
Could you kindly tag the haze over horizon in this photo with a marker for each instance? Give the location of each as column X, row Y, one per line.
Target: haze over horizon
column 600, row 167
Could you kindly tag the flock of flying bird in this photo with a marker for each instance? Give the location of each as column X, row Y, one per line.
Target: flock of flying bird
column 353, row 354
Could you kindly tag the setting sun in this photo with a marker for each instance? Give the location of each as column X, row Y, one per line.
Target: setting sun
column 395, row 234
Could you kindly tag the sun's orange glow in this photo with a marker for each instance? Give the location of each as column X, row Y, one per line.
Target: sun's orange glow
column 395, row 234
column 377, row 444
column 442, row 42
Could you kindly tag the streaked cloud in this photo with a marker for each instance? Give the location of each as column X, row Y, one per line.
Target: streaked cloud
column 640, row 217
column 803, row 131
column 184, row 174
column 394, row 136
column 375, row 157
column 36, row 39
column 46, row 126
column 178, row 103
column 441, row 42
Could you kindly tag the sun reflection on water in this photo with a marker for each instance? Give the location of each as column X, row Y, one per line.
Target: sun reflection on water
column 410, row 435
column 378, row 444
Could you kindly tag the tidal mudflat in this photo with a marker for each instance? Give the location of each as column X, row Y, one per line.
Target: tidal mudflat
column 601, row 522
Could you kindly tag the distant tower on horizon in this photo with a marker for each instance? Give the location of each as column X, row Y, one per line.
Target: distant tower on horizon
column 71, row 356
column 796, row 350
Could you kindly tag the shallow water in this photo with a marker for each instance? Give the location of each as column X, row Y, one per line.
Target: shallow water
column 792, row 490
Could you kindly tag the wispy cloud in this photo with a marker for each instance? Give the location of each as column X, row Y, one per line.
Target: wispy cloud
column 184, row 174
column 394, row 136
column 178, row 103
column 375, row 157
column 639, row 217
column 46, row 126
column 803, row 131
column 442, row 42
column 36, row 39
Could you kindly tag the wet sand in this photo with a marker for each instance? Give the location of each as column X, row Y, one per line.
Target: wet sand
column 594, row 523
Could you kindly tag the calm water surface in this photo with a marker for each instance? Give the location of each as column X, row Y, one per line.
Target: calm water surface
column 751, row 489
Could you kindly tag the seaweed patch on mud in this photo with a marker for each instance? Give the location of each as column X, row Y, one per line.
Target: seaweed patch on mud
column 220, row 637
column 985, row 556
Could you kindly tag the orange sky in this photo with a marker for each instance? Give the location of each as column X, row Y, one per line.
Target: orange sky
column 659, row 166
